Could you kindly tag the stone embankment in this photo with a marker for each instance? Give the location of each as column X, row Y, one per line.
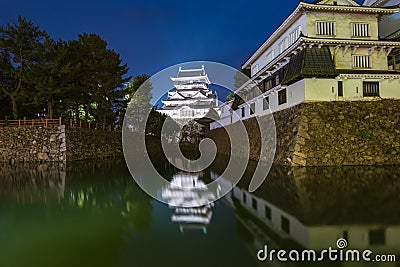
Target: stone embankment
column 328, row 134
column 57, row 144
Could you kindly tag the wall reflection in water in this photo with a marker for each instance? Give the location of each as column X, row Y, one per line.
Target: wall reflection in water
column 29, row 183
column 74, row 215
column 312, row 208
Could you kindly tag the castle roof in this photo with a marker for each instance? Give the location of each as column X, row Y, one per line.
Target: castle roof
column 191, row 72
column 310, row 62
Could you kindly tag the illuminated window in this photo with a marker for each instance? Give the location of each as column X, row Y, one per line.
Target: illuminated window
column 294, row 35
column 186, row 112
column 254, row 69
column 325, row 28
column 360, row 30
column 283, row 45
column 361, row 62
column 270, row 56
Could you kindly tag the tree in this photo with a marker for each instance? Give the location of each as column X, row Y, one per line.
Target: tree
column 96, row 72
column 19, row 50
column 46, row 77
column 138, row 102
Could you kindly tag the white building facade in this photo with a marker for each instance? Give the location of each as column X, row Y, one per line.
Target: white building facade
column 191, row 98
column 324, row 51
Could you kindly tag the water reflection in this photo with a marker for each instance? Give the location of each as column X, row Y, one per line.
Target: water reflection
column 76, row 215
column 190, row 198
column 93, row 214
column 29, row 183
column 311, row 208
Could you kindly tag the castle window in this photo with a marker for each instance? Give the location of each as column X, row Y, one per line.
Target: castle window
column 270, row 56
column 252, row 108
column 340, row 88
column 325, row 28
column 243, row 112
column 370, row 89
column 294, row 35
column 377, row 237
column 268, row 213
column 254, row 203
column 360, row 30
column 283, row 45
column 254, row 69
column 285, row 224
column 266, row 103
column 361, row 62
column 282, row 97
column 186, row 112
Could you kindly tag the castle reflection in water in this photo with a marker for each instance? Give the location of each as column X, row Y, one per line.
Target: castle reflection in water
column 307, row 208
column 304, row 208
column 190, row 198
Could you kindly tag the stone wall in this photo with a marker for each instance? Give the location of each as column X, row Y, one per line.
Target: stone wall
column 329, row 134
column 31, row 144
column 53, row 144
column 93, row 144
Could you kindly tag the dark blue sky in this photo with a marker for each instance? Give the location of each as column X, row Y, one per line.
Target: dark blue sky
column 152, row 35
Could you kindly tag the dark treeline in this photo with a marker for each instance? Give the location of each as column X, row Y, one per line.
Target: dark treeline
column 81, row 79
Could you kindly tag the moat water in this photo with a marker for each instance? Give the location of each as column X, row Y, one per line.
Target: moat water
column 94, row 214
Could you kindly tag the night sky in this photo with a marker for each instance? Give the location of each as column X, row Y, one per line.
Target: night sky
column 152, row 35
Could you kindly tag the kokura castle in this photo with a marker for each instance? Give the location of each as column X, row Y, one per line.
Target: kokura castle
column 191, row 98
column 327, row 50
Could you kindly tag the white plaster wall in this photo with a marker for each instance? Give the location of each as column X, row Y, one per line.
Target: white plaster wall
column 390, row 89
column 310, row 89
column 262, row 60
column 320, row 89
column 343, row 23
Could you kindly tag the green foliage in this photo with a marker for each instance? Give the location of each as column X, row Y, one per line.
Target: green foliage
column 230, row 96
column 155, row 123
column 81, row 77
column 136, row 104
column 21, row 48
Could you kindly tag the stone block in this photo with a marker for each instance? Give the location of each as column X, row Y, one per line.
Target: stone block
column 301, row 141
column 298, row 161
column 43, row 156
column 297, row 147
column 299, row 154
column 304, row 135
column 61, row 136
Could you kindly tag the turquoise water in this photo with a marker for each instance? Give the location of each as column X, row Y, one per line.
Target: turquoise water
column 93, row 214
